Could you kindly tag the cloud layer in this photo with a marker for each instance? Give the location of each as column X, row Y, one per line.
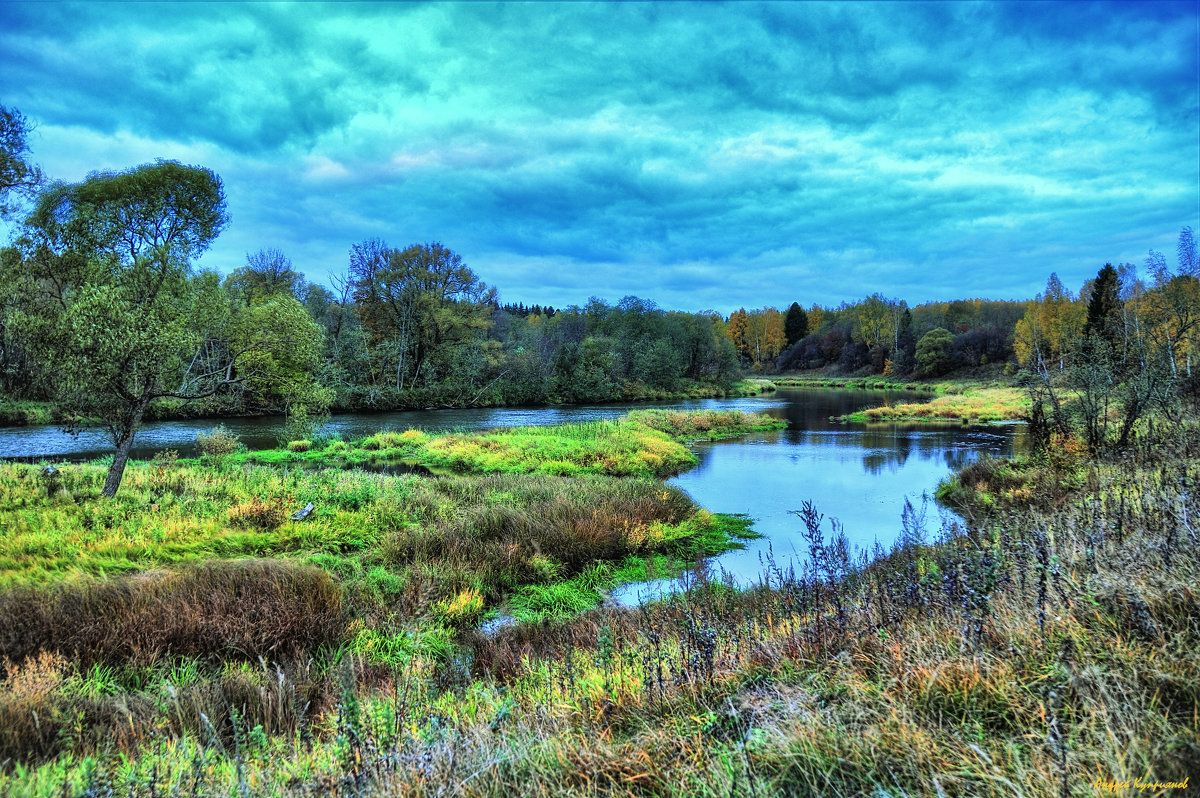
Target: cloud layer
column 701, row 155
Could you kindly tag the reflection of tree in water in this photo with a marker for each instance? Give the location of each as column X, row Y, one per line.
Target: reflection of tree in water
column 890, row 447
column 886, row 448
column 959, row 457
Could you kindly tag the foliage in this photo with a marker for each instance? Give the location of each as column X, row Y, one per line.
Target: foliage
column 1098, row 371
column 795, row 324
column 267, row 274
column 117, row 318
column 421, row 308
column 933, row 352
column 217, row 442
column 120, row 320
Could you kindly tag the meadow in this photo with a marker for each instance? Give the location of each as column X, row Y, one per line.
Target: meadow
column 1043, row 644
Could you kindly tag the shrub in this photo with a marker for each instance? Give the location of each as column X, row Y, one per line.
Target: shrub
column 217, row 442
column 299, row 446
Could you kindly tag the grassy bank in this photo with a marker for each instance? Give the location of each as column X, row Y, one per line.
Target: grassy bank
column 646, row 443
column 848, row 383
column 972, row 404
column 21, row 414
column 1047, row 646
column 955, row 385
column 957, row 400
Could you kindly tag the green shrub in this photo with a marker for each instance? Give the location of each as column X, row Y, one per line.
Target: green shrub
column 217, row 442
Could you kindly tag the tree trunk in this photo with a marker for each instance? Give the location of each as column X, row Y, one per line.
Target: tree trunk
column 124, row 445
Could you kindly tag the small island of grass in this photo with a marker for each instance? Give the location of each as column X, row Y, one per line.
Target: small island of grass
column 644, row 443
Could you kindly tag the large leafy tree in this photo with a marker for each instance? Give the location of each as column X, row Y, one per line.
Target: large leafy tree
column 422, row 308
column 933, row 352
column 115, row 309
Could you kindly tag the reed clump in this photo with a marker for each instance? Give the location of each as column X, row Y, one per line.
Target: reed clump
column 972, row 405
column 236, row 610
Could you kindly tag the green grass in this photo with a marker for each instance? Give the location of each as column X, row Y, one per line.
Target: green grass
column 648, row 443
column 972, row 404
column 953, row 385
column 19, row 414
column 751, row 386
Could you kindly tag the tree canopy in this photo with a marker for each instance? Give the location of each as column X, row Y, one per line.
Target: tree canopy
column 116, row 311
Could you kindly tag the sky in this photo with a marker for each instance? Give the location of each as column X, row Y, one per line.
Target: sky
column 703, row 156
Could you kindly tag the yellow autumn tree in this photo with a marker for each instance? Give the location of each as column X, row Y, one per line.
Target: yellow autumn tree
column 735, row 330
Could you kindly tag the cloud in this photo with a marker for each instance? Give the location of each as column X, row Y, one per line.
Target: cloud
column 701, row 155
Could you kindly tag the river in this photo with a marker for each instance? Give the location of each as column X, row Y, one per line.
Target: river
column 859, row 474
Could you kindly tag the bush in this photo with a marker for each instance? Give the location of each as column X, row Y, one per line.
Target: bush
column 933, row 352
column 218, row 441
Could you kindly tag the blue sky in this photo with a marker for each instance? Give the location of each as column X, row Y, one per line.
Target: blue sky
column 704, row 156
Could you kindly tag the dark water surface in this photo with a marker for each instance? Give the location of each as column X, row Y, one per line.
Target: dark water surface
column 858, row 474
column 260, row 432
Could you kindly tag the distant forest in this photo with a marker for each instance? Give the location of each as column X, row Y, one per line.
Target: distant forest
column 415, row 327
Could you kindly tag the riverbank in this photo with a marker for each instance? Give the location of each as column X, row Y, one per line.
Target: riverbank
column 1048, row 645
column 31, row 413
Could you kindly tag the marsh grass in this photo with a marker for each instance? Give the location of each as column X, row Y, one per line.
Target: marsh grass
column 975, row 405
column 647, row 443
column 1030, row 651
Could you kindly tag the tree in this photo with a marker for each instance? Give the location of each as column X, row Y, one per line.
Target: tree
column 874, row 320
column 735, row 330
column 795, row 324
column 1172, row 306
column 1188, row 263
column 1105, row 308
column 421, row 307
column 17, row 175
column 267, row 274
column 933, row 352
column 117, row 313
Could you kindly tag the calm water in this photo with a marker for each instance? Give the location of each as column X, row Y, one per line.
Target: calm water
column 857, row 474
